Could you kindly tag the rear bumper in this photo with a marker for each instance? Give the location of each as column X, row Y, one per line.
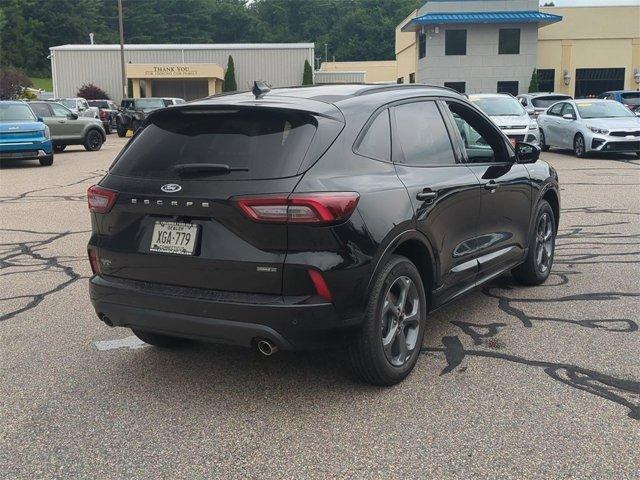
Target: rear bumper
column 219, row 317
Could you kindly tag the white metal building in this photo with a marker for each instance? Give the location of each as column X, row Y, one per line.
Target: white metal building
column 180, row 70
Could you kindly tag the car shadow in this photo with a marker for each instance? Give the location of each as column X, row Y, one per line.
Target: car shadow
column 616, row 157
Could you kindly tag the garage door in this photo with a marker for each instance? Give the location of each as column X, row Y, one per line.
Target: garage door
column 594, row 81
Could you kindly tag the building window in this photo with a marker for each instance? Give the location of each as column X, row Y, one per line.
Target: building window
column 422, row 45
column 591, row 82
column 509, row 41
column 457, row 86
column 455, row 42
column 400, row 80
column 508, row 87
column 412, row 78
column 546, row 79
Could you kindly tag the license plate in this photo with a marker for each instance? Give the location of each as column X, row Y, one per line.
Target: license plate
column 174, row 237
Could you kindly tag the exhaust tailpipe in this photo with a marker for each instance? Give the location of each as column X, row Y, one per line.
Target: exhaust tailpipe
column 266, row 347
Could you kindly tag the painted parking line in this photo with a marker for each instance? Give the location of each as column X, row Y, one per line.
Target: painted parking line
column 131, row 342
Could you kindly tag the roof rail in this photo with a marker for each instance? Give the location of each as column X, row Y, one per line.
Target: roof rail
column 399, row 86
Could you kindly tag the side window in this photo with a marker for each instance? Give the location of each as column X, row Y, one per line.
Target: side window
column 421, row 136
column 556, row 109
column 59, row 110
column 376, row 142
column 568, row 108
column 482, row 142
column 40, row 109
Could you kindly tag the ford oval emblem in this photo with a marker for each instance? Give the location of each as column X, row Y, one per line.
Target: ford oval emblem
column 171, row 188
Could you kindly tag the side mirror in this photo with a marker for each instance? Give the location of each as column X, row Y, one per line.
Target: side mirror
column 527, row 152
column 40, row 119
column 568, row 116
column 72, row 116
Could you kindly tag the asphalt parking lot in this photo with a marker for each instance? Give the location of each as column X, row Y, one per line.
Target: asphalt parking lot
column 514, row 382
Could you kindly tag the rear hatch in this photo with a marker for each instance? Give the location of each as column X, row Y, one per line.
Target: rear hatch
column 179, row 178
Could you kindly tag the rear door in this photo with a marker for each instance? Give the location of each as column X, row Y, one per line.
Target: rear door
column 445, row 193
column 503, row 226
column 227, row 250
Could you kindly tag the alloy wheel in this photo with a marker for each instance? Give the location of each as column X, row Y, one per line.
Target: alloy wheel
column 400, row 321
column 544, row 243
column 578, row 146
column 94, row 140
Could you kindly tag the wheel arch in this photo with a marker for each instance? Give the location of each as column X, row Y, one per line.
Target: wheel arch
column 554, row 201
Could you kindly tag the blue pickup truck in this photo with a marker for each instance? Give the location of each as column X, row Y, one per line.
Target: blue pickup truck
column 23, row 136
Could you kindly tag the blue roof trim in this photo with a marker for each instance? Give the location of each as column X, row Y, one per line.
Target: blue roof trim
column 444, row 18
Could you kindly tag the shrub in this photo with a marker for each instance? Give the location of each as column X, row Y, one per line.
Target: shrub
column 230, row 77
column 12, row 83
column 307, row 76
column 533, row 85
column 89, row 91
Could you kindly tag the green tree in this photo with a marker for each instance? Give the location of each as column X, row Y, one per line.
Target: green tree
column 307, row 76
column 230, row 77
column 533, row 84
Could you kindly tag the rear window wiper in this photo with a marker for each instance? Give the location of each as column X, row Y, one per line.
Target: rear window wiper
column 210, row 168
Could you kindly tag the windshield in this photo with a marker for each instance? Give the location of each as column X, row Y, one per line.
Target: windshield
column 499, row 106
column 631, row 98
column 16, row 112
column 98, row 103
column 270, row 144
column 67, row 103
column 546, row 102
column 603, row 110
column 149, row 103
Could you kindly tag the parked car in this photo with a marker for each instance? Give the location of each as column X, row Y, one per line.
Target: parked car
column 288, row 221
column 79, row 106
column 173, row 101
column 69, row 129
column 537, row 103
column 590, row 125
column 107, row 112
column 23, row 136
column 630, row 98
column 133, row 112
column 509, row 114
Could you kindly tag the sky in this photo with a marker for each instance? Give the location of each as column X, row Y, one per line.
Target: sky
column 572, row 3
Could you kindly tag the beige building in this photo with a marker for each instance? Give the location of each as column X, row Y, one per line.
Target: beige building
column 184, row 80
column 593, row 49
column 372, row 72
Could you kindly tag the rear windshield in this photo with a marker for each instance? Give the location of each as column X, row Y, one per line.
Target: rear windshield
column 99, row 103
column 268, row 143
column 631, row 98
column 16, row 112
column 545, row 102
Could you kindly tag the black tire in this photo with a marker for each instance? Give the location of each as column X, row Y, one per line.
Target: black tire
column 369, row 359
column 158, row 340
column 579, row 148
column 59, row 148
column 543, row 145
column 537, row 266
column 93, row 140
column 46, row 161
column 637, row 154
column 107, row 129
column 135, row 125
column 120, row 130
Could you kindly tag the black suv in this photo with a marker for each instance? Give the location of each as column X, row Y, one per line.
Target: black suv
column 133, row 112
column 312, row 216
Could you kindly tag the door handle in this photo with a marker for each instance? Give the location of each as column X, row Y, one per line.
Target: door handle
column 491, row 186
column 61, row 121
column 427, row 196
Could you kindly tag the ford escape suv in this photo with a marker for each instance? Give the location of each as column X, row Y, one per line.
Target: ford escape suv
column 315, row 216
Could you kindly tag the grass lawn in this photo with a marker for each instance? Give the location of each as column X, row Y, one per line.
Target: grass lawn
column 45, row 83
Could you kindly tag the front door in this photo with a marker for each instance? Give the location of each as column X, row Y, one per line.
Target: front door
column 444, row 192
column 69, row 128
column 503, row 227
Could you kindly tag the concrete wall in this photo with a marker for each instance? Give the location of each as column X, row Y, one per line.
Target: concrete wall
column 280, row 65
column 591, row 37
column 333, row 77
column 375, row 71
column 406, row 52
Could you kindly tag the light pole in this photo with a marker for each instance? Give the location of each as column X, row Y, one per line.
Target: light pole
column 124, row 76
column 326, row 52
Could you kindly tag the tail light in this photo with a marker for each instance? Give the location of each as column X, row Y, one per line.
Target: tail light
column 100, row 199
column 320, row 285
column 93, row 261
column 319, row 208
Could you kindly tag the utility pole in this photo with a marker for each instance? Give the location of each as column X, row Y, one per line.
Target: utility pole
column 326, row 52
column 124, row 76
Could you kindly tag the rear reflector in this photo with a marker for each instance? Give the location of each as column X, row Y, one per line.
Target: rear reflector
column 100, row 199
column 310, row 208
column 93, row 260
column 321, row 286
